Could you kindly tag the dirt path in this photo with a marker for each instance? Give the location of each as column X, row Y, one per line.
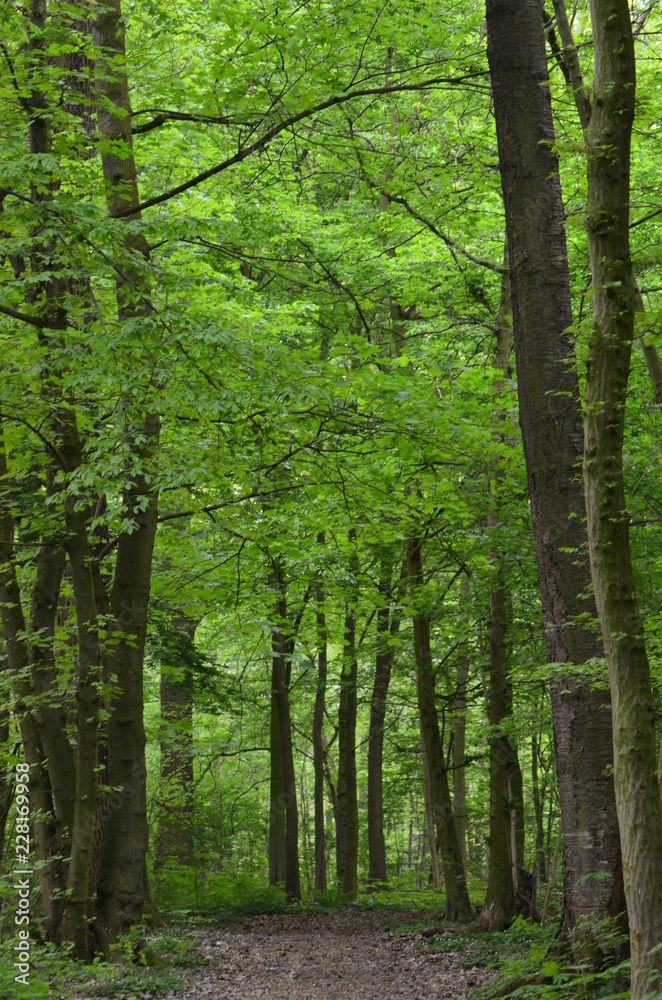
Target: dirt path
column 344, row 955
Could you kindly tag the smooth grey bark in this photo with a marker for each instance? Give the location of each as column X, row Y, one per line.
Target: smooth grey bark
column 551, row 424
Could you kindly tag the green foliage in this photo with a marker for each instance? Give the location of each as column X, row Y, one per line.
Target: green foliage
column 219, row 897
column 143, row 964
column 531, row 963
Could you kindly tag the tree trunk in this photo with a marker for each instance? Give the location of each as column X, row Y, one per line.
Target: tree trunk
column 347, row 813
column 550, row 419
column 276, row 778
column 47, row 833
column 284, row 818
column 429, row 818
column 121, row 891
column 74, row 918
column 499, row 907
column 388, row 623
column 538, row 807
column 459, row 734
column 635, row 751
column 457, row 897
column 318, row 736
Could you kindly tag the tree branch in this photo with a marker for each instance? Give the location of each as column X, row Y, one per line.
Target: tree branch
column 271, row 133
column 24, row 317
column 163, row 116
column 450, row 243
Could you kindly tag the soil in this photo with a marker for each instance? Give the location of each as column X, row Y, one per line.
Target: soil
column 342, row 955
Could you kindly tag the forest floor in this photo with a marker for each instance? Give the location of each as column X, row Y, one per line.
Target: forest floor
column 340, row 955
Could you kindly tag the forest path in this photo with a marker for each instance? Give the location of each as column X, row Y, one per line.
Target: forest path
column 341, row 955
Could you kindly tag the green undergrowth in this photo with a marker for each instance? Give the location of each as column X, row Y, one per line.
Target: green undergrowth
column 182, row 895
column 141, row 966
column 529, row 963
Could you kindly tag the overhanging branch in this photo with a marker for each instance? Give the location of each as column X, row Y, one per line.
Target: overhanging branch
column 24, row 317
column 282, row 126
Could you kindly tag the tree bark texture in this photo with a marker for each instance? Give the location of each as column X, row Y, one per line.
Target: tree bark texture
column 551, row 424
column 499, row 907
column 583, row 105
column 635, row 751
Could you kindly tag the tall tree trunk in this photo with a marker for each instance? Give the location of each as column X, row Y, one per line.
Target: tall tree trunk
column 388, row 623
column 63, row 455
column 538, row 807
column 551, row 423
column 459, row 736
column 75, row 915
column 122, row 882
column 49, row 837
column 318, row 735
column 499, row 907
column 277, row 797
column 635, row 751
column 457, row 897
column 284, row 818
column 347, row 812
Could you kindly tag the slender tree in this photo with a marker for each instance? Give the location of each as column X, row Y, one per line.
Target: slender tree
column 457, row 897
column 347, row 811
column 635, row 751
column 388, row 624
